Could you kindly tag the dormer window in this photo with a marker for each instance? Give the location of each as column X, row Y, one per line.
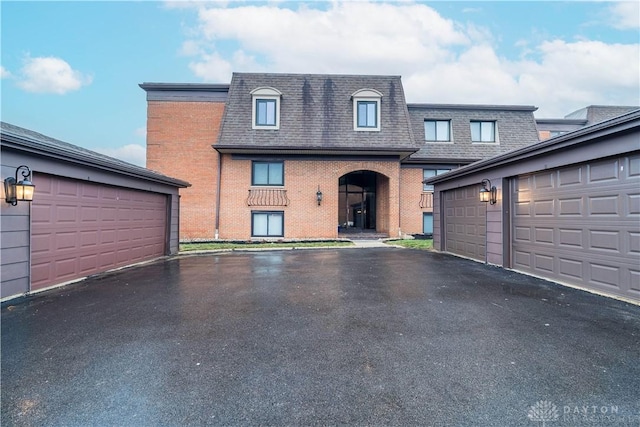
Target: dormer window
column 265, row 108
column 366, row 110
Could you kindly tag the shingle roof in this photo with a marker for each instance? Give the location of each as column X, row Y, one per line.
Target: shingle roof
column 516, row 127
column 629, row 122
column 34, row 142
column 316, row 112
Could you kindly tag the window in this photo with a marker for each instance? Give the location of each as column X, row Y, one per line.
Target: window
column 265, row 108
column 483, row 131
column 428, row 173
column 437, row 130
column 366, row 110
column 427, row 223
column 267, row 224
column 265, row 112
column 554, row 133
column 267, row 173
column 367, row 114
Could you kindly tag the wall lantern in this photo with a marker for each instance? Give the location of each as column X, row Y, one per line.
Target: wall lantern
column 15, row 191
column 319, row 196
column 488, row 192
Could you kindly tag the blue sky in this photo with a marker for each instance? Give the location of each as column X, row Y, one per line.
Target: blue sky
column 71, row 70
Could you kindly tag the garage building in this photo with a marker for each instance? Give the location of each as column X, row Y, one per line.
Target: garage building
column 566, row 209
column 90, row 213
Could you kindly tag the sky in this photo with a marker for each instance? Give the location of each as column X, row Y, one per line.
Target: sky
column 71, row 70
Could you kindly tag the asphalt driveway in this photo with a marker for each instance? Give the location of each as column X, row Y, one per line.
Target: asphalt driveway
column 373, row 336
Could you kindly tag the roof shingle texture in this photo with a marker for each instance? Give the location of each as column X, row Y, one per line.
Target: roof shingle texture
column 316, row 112
column 515, row 129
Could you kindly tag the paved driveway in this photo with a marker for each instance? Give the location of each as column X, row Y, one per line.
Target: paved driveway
column 320, row 337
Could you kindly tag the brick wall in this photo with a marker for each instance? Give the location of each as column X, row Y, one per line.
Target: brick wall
column 179, row 140
column 303, row 217
column 180, row 136
column 411, row 198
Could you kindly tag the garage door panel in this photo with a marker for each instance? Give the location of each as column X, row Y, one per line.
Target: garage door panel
column 633, row 166
column 544, row 262
column 570, row 206
column 570, row 267
column 80, row 228
column 633, row 205
column 634, row 280
column 570, row 177
column 570, row 238
column 543, row 181
column 634, row 243
column 584, row 231
column 603, row 205
column 465, row 225
column 603, row 240
column 604, row 274
column 543, row 208
column 603, row 171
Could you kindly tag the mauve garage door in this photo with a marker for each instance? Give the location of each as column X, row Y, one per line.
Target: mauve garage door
column 465, row 222
column 580, row 225
column 80, row 228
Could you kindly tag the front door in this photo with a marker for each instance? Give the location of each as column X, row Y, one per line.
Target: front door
column 357, row 201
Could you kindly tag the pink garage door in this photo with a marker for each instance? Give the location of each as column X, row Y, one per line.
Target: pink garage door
column 80, row 228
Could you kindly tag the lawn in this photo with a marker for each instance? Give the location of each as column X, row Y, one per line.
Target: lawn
column 423, row 244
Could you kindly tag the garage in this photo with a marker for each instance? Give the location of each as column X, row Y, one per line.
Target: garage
column 90, row 213
column 580, row 225
column 465, row 229
column 566, row 209
column 80, row 228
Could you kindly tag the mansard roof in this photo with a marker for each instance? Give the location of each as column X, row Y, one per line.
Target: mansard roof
column 516, row 127
column 316, row 113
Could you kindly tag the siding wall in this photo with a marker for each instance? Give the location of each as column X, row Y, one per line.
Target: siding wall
column 14, row 236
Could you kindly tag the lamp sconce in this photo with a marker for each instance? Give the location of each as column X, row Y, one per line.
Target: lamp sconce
column 19, row 191
column 319, row 196
column 488, row 193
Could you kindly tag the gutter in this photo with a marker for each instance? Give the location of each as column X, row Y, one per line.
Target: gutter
column 108, row 164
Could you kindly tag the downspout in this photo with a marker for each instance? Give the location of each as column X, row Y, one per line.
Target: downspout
column 217, row 232
column 399, row 199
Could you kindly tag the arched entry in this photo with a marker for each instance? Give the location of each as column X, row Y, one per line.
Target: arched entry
column 357, row 207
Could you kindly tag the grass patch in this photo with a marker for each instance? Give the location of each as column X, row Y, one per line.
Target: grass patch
column 212, row 246
column 423, row 244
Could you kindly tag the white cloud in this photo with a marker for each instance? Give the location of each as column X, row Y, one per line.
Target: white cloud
column 4, row 73
column 132, row 153
column 625, row 15
column 347, row 36
column 50, row 75
column 441, row 61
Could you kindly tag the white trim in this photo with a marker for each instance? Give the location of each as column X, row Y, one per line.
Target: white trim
column 265, row 93
column 367, row 95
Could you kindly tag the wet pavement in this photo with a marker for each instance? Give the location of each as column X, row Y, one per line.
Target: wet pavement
column 375, row 336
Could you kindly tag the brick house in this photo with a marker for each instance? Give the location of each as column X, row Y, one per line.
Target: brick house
column 295, row 156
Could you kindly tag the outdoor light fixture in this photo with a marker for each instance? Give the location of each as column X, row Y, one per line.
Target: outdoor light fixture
column 319, row 196
column 488, row 194
column 15, row 191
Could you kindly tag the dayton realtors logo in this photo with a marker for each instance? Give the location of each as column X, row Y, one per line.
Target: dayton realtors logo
column 543, row 411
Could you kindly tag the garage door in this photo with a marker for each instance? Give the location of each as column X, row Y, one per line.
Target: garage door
column 80, row 228
column 465, row 223
column 581, row 225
